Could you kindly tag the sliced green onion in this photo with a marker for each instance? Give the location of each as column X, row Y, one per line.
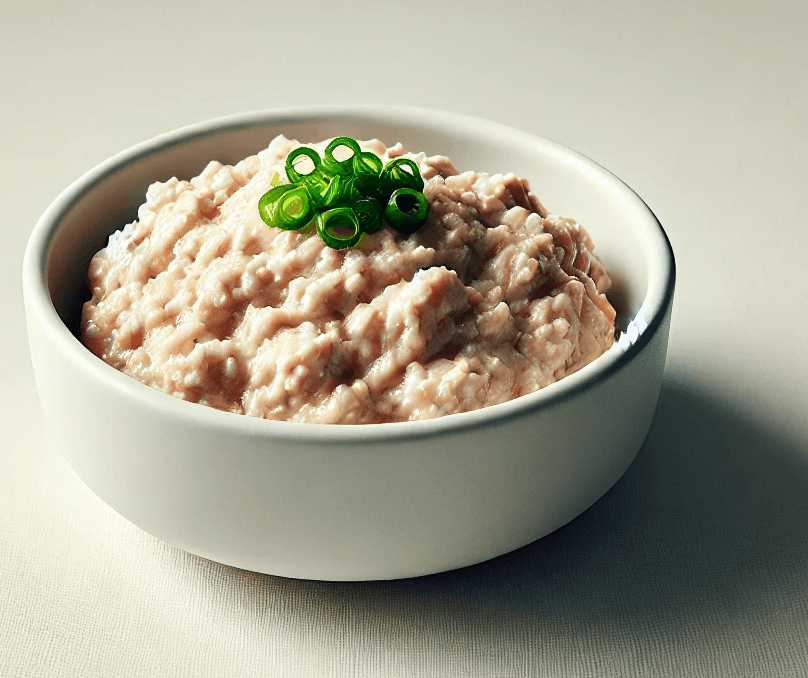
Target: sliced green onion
column 369, row 213
column 394, row 175
column 318, row 184
column 407, row 210
column 286, row 206
column 339, row 218
column 347, row 196
column 342, row 192
column 334, row 166
column 291, row 173
column 366, row 163
column 370, row 186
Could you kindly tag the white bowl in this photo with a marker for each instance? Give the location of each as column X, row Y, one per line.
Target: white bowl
column 377, row 501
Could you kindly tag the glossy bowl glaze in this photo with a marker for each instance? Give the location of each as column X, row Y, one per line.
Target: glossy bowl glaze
column 334, row 502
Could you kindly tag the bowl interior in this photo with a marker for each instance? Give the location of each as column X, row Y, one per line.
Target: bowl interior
column 103, row 201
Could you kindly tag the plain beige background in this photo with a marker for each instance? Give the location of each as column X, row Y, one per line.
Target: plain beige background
column 695, row 564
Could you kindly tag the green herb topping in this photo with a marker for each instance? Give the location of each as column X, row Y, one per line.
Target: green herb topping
column 346, row 197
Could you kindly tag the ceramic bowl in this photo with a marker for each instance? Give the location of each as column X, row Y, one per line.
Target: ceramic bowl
column 340, row 502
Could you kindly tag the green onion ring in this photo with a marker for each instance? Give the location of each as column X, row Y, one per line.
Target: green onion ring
column 395, row 176
column 332, row 219
column 286, row 206
column 342, row 192
column 407, row 210
column 366, row 163
column 370, row 186
column 369, row 213
column 291, row 173
column 318, row 185
column 334, row 166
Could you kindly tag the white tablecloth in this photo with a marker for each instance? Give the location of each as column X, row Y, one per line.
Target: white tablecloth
column 695, row 564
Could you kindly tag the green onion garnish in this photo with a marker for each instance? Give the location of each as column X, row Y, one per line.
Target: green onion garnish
column 333, row 166
column 343, row 218
column 292, row 174
column 365, row 163
column 396, row 175
column 348, row 197
column 406, row 211
column 286, row 206
column 369, row 212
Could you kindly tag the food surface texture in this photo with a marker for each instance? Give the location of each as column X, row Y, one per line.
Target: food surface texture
column 491, row 299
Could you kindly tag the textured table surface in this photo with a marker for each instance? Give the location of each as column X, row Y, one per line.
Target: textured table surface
column 694, row 564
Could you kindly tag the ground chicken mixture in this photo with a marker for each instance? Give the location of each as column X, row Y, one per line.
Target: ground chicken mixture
column 490, row 300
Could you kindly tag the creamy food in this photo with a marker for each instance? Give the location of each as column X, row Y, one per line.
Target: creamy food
column 493, row 298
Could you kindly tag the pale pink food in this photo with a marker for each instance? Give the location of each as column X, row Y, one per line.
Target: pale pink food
column 490, row 300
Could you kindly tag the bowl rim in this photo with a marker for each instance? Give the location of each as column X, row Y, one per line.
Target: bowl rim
column 654, row 307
